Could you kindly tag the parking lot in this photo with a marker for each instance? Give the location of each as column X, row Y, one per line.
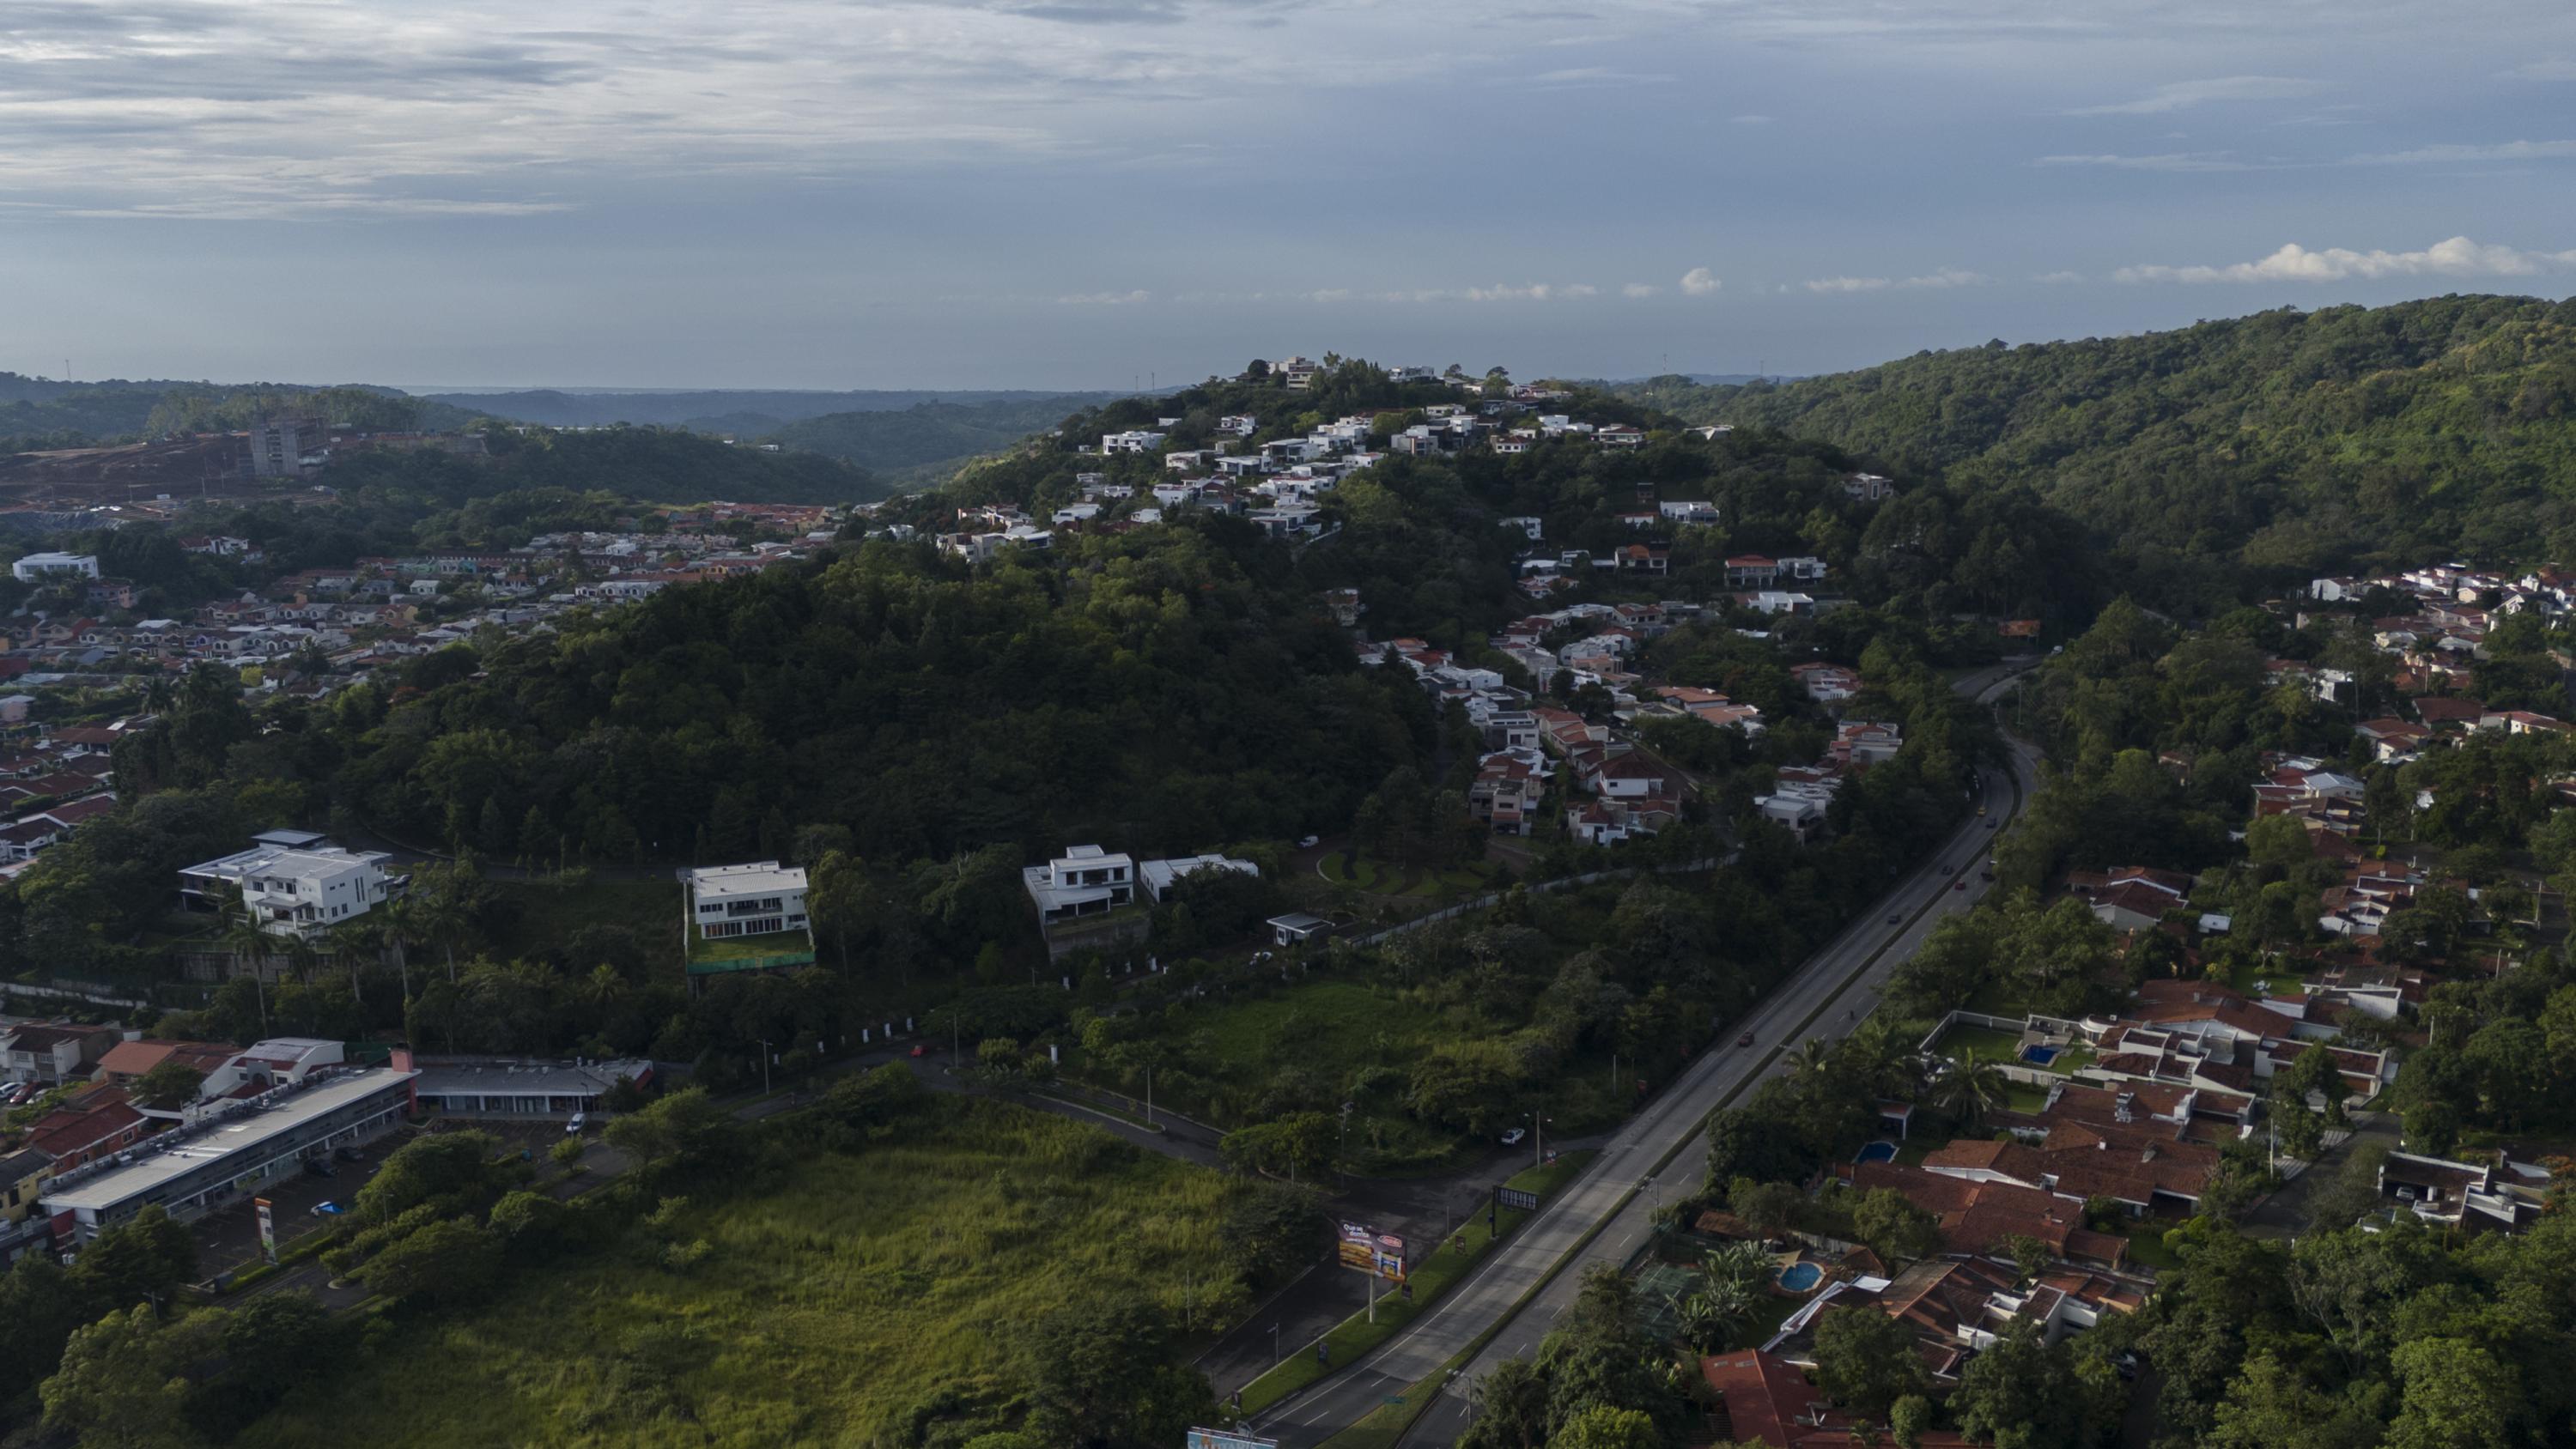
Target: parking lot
column 228, row 1240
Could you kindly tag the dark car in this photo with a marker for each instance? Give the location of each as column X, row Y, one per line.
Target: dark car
column 1744, row 1040
column 320, row 1167
column 347, row 1154
column 1958, row 885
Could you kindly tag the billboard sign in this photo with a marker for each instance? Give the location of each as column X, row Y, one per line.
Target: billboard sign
column 1513, row 1197
column 1371, row 1251
column 267, row 1227
column 1227, row 1439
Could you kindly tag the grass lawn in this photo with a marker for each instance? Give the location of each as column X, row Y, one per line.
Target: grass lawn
column 2147, row 1245
column 1964, row 1042
column 827, row 1310
column 1332, row 1028
column 2025, row 1099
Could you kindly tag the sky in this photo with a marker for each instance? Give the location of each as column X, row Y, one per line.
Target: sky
column 1098, row 193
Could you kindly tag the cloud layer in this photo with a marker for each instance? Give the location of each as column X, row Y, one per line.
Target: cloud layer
column 2457, row 257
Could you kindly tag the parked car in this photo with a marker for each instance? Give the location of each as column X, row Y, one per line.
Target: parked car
column 326, row 1209
column 580, row 1122
column 1515, row 1137
column 1310, row 842
column 920, row 1050
column 320, row 1167
column 348, row 1154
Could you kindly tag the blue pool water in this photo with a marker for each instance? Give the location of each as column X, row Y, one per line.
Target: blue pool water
column 2039, row 1056
column 1877, row 1152
column 1801, row 1277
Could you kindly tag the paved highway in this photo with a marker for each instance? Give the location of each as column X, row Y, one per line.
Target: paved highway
column 1658, row 1156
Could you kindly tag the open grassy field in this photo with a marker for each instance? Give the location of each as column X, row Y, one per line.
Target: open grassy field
column 828, row 1311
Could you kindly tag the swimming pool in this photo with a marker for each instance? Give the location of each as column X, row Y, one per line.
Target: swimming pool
column 1876, row 1152
column 1801, row 1277
column 2040, row 1056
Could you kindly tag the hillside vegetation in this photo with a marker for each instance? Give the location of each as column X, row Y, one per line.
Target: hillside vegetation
column 2232, row 458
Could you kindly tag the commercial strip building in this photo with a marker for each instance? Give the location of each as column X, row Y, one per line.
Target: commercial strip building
column 193, row 1170
column 510, row 1088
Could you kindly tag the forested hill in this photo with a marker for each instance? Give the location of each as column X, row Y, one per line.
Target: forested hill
column 652, row 465
column 560, row 409
column 2233, row 458
column 1433, row 556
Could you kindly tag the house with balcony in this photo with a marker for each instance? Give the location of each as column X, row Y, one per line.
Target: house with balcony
column 294, row 883
column 1084, row 881
column 747, row 917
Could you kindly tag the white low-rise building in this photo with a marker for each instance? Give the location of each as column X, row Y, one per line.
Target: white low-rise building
column 1084, row 881
column 758, row 899
column 294, row 883
column 37, row 567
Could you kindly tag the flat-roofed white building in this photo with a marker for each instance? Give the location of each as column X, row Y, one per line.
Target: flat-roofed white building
column 294, row 883
column 1159, row 876
column 758, row 899
column 37, row 567
column 190, row 1171
column 1084, row 881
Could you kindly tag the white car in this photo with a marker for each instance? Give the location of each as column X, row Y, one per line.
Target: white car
column 1515, row 1137
column 580, row 1120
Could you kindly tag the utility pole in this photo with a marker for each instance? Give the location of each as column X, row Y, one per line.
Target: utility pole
column 1149, row 1095
column 764, row 1066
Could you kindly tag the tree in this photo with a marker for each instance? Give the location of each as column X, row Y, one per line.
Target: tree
column 1602, row 1426
column 685, row 1130
column 169, row 1084
column 2022, row 1393
column 1893, row 1227
column 2457, row 1396
column 270, row 1344
column 1866, row 1361
column 123, row 1383
column 1970, row 1089
column 1907, row 1418
column 146, row 1256
column 1099, row 1379
column 451, row 1169
column 41, row 1304
column 447, row 1262
column 1271, row 1233
column 1769, row 1208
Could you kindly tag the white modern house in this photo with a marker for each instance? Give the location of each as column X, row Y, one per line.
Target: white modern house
column 759, row 899
column 37, row 567
column 1159, row 876
column 294, row 882
column 1084, row 881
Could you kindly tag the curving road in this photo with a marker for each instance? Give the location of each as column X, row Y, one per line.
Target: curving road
column 1656, row 1157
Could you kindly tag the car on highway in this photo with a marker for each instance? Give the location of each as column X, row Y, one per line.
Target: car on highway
column 1990, row 825
column 1895, row 920
column 1515, row 1137
column 1958, row 885
column 1948, row 869
column 1744, row 1040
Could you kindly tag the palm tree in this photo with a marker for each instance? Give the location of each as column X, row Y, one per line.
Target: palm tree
column 353, row 942
column 1809, row 1056
column 398, row 926
column 1971, row 1089
column 1740, row 1266
column 250, row 948
column 604, row 986
column 440, row 918
column 1710, row 1317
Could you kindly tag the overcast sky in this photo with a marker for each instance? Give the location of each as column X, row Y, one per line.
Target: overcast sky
column 1075, row 193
